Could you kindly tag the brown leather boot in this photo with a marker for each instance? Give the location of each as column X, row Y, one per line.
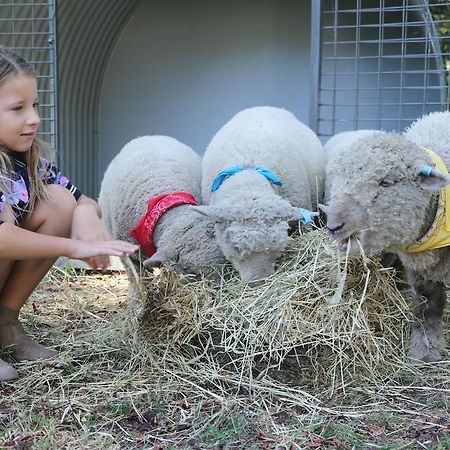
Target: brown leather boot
column 13, row 336
column 7, row 372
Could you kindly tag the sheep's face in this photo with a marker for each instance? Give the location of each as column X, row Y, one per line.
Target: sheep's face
column 186, row 240
column 252, row 243
column 252, row 246
column 199, row 251
column 378, row 196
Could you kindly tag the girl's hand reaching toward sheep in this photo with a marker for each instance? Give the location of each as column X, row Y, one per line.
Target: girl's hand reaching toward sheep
column 97, row 251
column 19, row 244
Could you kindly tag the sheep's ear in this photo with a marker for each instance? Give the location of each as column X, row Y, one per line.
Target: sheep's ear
column 157, row 260
column 203, row 210
column 209, row 211
column 323, row 208
column 432, row 179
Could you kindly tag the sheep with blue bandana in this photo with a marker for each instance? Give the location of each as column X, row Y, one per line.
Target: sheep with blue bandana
column 262, row 169
column 391, row 192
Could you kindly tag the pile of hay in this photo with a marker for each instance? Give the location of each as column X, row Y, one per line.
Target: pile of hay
column 322, row 318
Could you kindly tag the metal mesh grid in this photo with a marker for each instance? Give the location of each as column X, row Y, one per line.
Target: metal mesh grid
column 383, row 63
column 27, row 27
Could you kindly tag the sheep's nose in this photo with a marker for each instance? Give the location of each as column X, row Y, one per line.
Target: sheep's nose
column 335, row 229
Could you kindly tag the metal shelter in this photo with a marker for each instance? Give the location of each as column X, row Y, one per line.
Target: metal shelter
column 373, row 64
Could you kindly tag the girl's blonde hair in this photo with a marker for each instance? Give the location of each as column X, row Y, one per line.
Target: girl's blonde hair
column 12, row 65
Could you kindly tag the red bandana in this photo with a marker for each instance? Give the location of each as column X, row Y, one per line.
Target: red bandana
column 157, row 206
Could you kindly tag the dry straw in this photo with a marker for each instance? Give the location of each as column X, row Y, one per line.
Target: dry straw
column 323, row 320
column 214, row 352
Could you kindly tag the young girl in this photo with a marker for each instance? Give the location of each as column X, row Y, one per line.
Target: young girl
column 42, row 215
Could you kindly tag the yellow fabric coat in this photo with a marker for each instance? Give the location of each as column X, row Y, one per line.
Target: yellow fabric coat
column 438, row 235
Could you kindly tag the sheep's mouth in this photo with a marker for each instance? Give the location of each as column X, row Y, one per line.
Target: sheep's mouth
column 352, row 240
column 344, row 243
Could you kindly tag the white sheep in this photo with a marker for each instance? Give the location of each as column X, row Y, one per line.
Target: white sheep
column 250, row 209
column 149, row 166
column 385, row 194
column 340, row 141
column 432, row 131
column 344, row 139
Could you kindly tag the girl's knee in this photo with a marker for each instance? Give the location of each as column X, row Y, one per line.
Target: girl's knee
column 54, row 215
column 61, row 196
column 60, row 207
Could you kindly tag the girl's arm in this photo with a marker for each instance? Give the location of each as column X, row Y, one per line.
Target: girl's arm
column 89, row 207
column 17, row 243
column 87, row 225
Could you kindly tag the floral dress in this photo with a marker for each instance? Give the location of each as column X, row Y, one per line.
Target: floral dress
column 19, row 195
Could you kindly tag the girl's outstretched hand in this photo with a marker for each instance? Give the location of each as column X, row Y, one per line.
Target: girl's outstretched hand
column 91, row 251
column 19, row 244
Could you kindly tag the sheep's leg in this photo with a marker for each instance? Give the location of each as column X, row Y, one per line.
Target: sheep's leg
column 136, row 289
column 427, row 340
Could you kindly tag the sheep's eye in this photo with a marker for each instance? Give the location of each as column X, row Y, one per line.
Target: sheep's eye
column 386, row 183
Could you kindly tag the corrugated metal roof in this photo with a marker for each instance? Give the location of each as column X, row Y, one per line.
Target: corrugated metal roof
column 86, row 34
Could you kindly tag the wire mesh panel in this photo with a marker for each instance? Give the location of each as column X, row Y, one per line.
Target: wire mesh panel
column 27, row 27
column 382, row 63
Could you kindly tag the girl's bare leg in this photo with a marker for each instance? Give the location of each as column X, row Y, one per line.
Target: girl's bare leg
column 7, row 372
column 51, row 217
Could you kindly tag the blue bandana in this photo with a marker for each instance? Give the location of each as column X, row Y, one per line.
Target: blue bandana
column 305, row 218
column 229, row 171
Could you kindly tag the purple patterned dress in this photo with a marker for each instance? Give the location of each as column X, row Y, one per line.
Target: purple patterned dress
column 19, row 195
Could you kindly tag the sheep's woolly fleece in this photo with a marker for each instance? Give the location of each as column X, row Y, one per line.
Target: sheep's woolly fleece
column 336, row 144
column 145, row 167
column 273, row 138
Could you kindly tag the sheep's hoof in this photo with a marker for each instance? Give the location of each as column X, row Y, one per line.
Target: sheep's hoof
column 428, row 356
column 421, row 350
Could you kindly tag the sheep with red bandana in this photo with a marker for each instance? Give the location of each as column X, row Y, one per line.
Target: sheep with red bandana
column 147, row 195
